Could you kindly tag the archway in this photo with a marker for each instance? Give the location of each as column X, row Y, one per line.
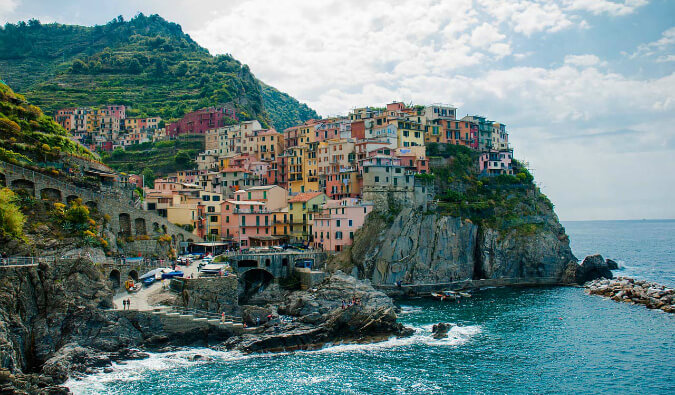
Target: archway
column 267, row 262
column 139, row 225
column 91, row 204
column 3, row 180
column 51, row 194
column 252, row 282
column 26, row 185
column 133, row 275
column 71, row 198
column 125, row 224
column 115, row 278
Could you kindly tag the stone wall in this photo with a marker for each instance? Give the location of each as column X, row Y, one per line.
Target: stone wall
column 216, row 295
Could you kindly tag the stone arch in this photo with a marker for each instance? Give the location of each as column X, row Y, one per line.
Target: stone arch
column 115, row 278
column 26, row 185
column 139, row 226
column 3, row 180
column 268, row 262
column 91, row 204
column 125, row 224
column 190, row 241
column 133, row 274
column 284, row 262
column 51, row 194
column 71, row 198
column 155, row 228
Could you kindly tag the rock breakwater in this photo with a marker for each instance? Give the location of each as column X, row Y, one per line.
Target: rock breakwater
column 628, row 290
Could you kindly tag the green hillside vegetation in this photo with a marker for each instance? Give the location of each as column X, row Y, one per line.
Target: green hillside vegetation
column 158, row 158
column 29, row 136
column 503, row 202
column 146, row 63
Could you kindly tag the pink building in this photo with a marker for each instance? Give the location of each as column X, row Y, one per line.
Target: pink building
column 338, row 221
column 198, row 122
column 494, row 163
column 247, row 223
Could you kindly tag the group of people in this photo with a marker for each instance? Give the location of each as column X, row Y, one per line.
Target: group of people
column 354, row 302
column 127, row 304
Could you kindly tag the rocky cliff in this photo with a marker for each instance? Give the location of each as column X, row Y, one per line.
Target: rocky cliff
column 417, row 247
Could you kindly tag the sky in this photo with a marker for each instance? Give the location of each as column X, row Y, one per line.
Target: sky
column 585, row 87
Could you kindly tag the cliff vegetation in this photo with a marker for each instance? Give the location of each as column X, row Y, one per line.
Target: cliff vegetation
column 146, row 63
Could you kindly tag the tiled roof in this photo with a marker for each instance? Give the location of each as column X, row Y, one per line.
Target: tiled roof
column 303, row 197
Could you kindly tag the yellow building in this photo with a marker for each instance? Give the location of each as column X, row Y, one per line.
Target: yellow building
column 301, row 209
column 295, row 169
column 409, row 133
column 281, row 223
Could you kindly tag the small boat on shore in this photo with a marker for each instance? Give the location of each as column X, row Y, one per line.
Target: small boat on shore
column 445, row 295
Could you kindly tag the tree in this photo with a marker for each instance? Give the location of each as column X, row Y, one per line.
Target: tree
column 134, row 66
column 148, row 177
column 79, row 66
column 181, row 69
column 182, row 158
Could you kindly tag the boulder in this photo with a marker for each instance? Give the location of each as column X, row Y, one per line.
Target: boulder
column 612, row 265
column 593, row 267
column 440, row 330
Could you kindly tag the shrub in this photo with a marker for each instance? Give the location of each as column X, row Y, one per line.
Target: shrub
column 11, row 217
column 77, row 214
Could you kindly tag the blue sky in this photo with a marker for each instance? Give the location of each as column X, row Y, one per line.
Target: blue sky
column 586, row 87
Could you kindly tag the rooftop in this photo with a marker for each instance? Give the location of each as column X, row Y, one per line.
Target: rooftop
column 303, row 197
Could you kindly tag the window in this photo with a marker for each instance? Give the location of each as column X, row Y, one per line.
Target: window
column 206, row 198
column 337, row 223
column 216, row 198
column 351, row 235
column 211, row 209
column 351, row 223
column 227, row 219
column 243, row 221
column 377, row 179
column 214, row 218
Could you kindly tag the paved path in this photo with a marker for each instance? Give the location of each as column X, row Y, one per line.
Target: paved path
column 139, row 300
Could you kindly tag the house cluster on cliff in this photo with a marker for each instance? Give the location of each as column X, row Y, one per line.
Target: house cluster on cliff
column 108, row 127
column 316, row 182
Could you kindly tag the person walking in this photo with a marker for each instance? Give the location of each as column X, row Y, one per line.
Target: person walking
column 124, row 304
column 129, row 304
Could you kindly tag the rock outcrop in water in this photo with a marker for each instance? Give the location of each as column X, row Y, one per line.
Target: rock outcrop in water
column 319, row 317
column 593, row 267
column 628, row 290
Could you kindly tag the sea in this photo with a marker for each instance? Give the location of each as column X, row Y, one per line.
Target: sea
column 515, row 341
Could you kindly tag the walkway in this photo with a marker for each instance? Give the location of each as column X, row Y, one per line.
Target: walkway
column 469, row 284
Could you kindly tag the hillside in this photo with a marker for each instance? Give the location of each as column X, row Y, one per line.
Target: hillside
column 146, row 63
column 27, row 135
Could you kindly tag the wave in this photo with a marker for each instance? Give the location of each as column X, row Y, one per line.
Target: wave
column 139, row 369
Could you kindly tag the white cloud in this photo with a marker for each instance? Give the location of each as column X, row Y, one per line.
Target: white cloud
column 529, row 17
column 584, row 60
column 8, row 6
column 614, row 8
column 663, row 44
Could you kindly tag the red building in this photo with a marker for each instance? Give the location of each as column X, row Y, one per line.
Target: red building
column 198, row 122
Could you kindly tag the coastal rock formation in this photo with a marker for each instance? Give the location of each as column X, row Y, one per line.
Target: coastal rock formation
column 593, row 267
column 624, row 289
column 417, row 247
column 319, row 317
column 612, row 265
column 440, row 330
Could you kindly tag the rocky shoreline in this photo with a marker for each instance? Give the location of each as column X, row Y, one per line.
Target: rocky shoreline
column 628, row 290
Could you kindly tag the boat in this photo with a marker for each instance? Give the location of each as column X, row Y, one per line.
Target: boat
column 445, row 295
column 148, row 281
column 132, row 286
column 465, row 295
column 173, row 274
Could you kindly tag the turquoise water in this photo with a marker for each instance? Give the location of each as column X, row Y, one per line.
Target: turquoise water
column 539, row 340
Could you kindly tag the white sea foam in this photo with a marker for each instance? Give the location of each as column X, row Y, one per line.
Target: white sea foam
column 138, row 369
column 410, row 309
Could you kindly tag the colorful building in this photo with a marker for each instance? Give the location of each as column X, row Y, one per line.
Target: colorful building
column 337, row 222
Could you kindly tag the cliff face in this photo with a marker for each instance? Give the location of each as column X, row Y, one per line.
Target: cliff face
column 427, row 248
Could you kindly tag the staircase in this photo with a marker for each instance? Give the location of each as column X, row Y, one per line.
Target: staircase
column 181, row 318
